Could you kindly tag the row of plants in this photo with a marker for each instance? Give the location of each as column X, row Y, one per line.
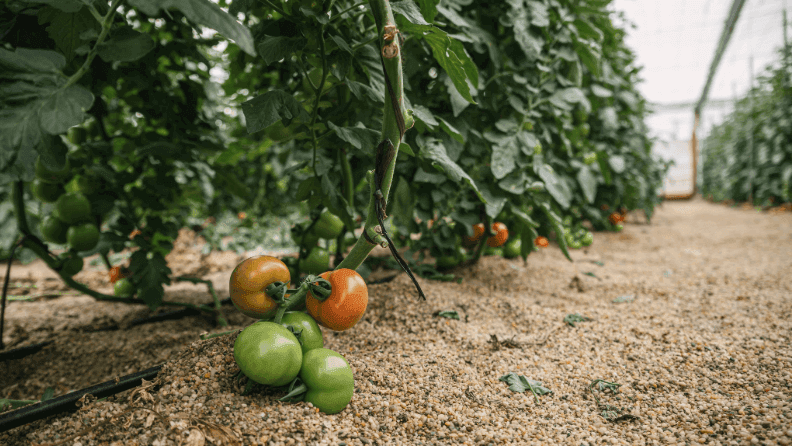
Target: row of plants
column 748, row 157
column 121, row 125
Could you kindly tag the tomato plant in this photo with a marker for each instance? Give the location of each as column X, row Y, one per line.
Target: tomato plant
column 268, row 353
column 249, row 281
column 345, row 305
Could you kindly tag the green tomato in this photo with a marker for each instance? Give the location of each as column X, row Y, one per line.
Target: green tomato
column 73, row 208
column 310, row 336
column 77, row 135
column 86, row 185
column 512, row 248
column 619, row 227
column 52, row 176
column 72, row 265
column 317, row 262
column 123, row 288
column 575, row 244
column 588, row 239
column 493, row 251
column 447, row 262
column 590, row 158
column 328, row 226
column 268, row 353
column 46, row 192
column 54, row 230
column 329, row 380
column 83, row 237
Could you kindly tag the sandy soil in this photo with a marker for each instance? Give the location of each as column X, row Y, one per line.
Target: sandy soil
column 700, row 346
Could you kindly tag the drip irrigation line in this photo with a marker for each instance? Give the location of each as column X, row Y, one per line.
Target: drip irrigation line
column 66, row 403
column 21, row 352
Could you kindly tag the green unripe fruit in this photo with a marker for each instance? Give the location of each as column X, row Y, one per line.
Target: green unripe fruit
column 72, row 266
column 46, row 192
column 73, row 208
column 54, row 230
column 83, row 237
column 52, row 176
column 123, row 288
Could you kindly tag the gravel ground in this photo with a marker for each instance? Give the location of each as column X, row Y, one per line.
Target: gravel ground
column 699, row 345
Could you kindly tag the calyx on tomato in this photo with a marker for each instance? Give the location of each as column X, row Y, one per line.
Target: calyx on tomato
column 304, row 328
column 249, row 282
column 326, row 381
column 268, row 353
column 345, row 305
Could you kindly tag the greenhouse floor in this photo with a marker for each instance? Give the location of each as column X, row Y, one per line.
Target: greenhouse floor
column 691, row 320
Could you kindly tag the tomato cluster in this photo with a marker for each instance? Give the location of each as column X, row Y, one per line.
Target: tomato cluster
column 286, row 347
column 72, row 220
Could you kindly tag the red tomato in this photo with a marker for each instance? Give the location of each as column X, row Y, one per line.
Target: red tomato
column 345, row 305
column 541, row 242
column 500, row 237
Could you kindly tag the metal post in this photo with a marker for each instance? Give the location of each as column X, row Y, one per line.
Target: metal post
column 751, row 167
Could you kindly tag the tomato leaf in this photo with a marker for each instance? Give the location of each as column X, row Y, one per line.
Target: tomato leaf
column 521, row 384
column 558, row 227
column 360, row 137
column 588, row 182
column 271, row 107
column 273, row 49
column 202, row 12
column 126, row 45
column 448, row 314
column 65, row 27
column 432, row 150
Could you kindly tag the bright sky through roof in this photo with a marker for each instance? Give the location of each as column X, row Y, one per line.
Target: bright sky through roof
column 675, row 42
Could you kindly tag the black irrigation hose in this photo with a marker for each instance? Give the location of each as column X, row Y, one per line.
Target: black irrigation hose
column 66, row 403
column 21, row 352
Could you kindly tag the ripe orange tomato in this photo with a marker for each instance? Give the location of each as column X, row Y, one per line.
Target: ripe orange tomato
column 615, row 218
column 541, row 242
column 249, row 281
column 134, row 234
column 346, row 303
column 478, row 231
column 242, row 215
column 115, row 274
column 500, row 237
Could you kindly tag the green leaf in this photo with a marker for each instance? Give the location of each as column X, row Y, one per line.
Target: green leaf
column 588, row 182
column 521, row 384
column 269, row 108
column 539, row 15
column 410, row 11
column 458, row 66
column 504, row 154
column 434, row 151
column 424, row 115
column 450, row 130
column 402, row 205
column 558, row 227
column 65, row 28
column 588, row 31
column 359, row 136
column 448, row 314
column 600, row 91
column 572, row 319
column 273, row 49
column 41, row 103
column 555, row 186
column 590, row 56
column 428, row 8
column 126, row 45
column 62, row 5
column 530, row 44
column 404, row 147
column 364, row 92
column 570, row 96
column 151, row 271
column 203, row 12
column 617, row 163
column 495, row 201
